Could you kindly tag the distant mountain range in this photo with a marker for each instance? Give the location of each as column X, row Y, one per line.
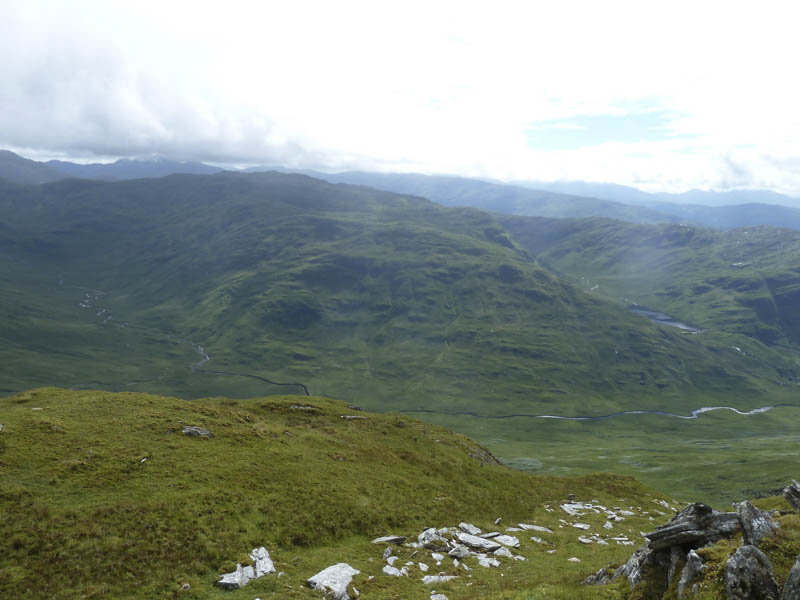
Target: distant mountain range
column 576, row 199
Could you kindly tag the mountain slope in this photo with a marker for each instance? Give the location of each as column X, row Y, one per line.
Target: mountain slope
column 391, row 301
column 744, row 281
column 21, row 170
column 130, row 169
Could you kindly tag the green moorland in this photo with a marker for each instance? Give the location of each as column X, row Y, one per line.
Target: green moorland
column 391, row 302
column 746, row 280
column 104, row 497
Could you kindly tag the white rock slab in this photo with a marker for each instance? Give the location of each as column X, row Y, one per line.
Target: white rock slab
column 262, row 565
column 504, row 552
column 487, row 561
column 469, row 528
column 423, row 567
column 431, row 579
column 390, row 539
column 393, row 571
column 478, row 543
column 507, row 540
column 574, row 559
column 538, row 528
column 334, row 580
column 391, row 560
column 583, row 526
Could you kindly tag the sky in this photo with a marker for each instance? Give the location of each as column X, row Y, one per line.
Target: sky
column 664, row 96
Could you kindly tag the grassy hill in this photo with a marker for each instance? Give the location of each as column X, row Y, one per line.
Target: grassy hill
column 123, row 505
column 741, row 281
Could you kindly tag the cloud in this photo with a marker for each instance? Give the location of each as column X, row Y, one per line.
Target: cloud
column 436, row 87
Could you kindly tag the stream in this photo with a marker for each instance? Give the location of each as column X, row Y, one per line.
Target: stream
column 693, row 415
column 89, row 301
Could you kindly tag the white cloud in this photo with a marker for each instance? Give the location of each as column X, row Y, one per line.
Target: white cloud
column 437, row 87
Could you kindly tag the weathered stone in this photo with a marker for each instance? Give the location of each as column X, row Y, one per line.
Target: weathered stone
column 692, row 571
column 602, row 577
column 393, row 571
column 469, row 528
column 262, row 565
column 694, row 526
column 756, row 524
column 585, row 540
column 792, row 494
column 677, row 556
column 390, row 560
column 632, row 570
column 748, row 576
column 460, row 551
column 487, row 561
column 535, row 528
column 423, row 567
column 489, row 535
column 390, row 539
column 504, row 552
column 194, row 431
column 507, row 540
column 583, row 526
column 438, row 597
column 431, row 540
column 387, row 553
column 430, row 579
column 791, row 589
column 334, row 580
column 478, row 543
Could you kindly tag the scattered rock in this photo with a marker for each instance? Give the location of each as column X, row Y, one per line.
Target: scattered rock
column 390, row 560
column 437, row 557
column 430, row 579
column 504, row 552
column 352, row 417
column 574, row 559
column 334, row 579
column 497, row 521
column 791, row 589
column 469, row 528
column 692, row 571
column 390, row 539
column 438, row 597
column 194, row 431
column 460, row 551
column 262, row 565
column 756, row 524
column 490, row 535
column 478, row 543
column 387, row 553
column 186, row 587
column 748, row 576
column 432, row 540
column 602, row 577
column 507, row 540
column 585, row 540
column 1, row 427
column 393, row 571
column 487, row 561
column 423, row 567
column 792, row 494
column 583, row 526
column 535, row 528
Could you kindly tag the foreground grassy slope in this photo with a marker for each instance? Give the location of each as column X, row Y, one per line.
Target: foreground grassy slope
column 104, row 497
column 743, row 281
column 391, row 301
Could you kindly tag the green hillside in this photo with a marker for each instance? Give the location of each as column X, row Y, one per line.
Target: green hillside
column 390, row 301
column 744, row 281
column 124, row 505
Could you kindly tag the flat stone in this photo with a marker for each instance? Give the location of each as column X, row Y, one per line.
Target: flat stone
column 438, row 597
column 583, row 526
column 507, row 540
column 574, row 559
column 490, row 535
column 390, row 539
column 469, row 528
column 478, row 543
column 513, row 529
column 504, row 552
column 585, row 540
column 748, row 576
column 460, row 551
column 194, row 431
column 535, row 528
column 431, row 579
column 487, row 561
column 334, row 580
column 393, row 571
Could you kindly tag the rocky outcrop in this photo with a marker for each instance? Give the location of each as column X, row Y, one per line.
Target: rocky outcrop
column 756, row 524
column 334, row 580
column 602, row 577
column 262, row 565
column 791, row 589
column 692, row 572
column 748, row 576
column 478, row 543
column 792, row 494
column 696, row 525
column 194, row 431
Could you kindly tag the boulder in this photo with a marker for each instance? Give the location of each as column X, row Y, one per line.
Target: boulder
column 393, row 571
column 469, row 528
column 431, row 540
column 602, row 577
column 756, row 524
column 478, row 543
column 334, row 580
column 748, row 576
column 696, row 525
column 792, row 494
column 692, row 571
column 632, row 570
column 460, row 551
column 507, row 540
column 262, row 565
column 791, row 589
column 487, row 561
column 194, row 431
column 430, row 579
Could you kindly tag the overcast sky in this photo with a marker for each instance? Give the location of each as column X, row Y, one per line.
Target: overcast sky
column 660, row 95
